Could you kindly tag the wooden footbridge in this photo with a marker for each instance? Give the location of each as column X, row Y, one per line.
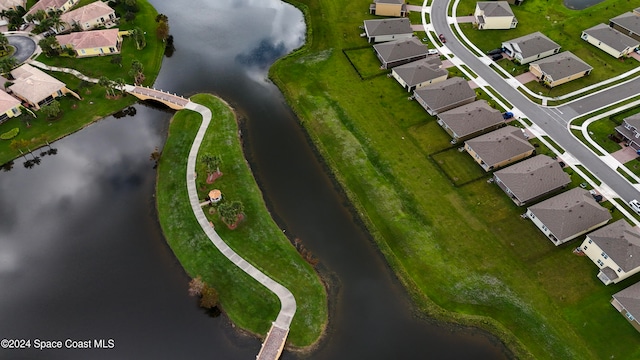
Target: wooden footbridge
column 173, row 101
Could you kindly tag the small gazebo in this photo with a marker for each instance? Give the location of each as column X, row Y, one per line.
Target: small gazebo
column 215, row 196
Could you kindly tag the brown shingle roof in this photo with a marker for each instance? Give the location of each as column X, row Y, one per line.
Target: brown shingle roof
column 500, row 145
column 533, row 177
column 570, row 213
column 443, row 94
column 470, row 118
column 621, row 242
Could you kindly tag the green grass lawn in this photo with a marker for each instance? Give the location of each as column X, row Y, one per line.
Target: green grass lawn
column 258, row 239
column 464, row 253
column 563, row 26
column 458, row 166
column 365, row 62
column 600, row 131
column 94, row 106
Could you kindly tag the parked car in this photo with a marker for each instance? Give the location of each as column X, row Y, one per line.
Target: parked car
column 635, row 205
column 496, row 57
column 432, row 52
column 494, row 51
column 507, row 115
column 441, row 37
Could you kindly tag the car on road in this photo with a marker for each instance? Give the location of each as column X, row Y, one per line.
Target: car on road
column 496, row 57
column 495, row 51
column 635, row 205
column 442, row 38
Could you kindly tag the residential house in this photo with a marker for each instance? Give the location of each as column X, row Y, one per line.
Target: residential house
column 627, row 302
column 466, row 121
column 12, row 4
column 630, row 131
column 87, row 17
column 418, row 74
column 35, row 87
column 528, row 48
column 568, row 215
column 388, row 8
column 445, row 95
column 380, row 30
column 559, row 69
column 92, row 43
column 48, row 5
column 531, row 179
column 615, row 249
column 9, row 106
column 491, row 15
column 499, row 148
column 399, row 52
column 610, row 40
column 628, row 24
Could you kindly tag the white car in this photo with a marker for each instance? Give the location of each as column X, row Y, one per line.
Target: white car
column 432, row 52
column 635, row 205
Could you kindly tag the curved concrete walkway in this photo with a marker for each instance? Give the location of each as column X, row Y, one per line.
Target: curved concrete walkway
column 287, row 301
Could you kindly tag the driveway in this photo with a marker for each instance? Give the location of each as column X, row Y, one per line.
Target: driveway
column 25, row 47
column 526, row 77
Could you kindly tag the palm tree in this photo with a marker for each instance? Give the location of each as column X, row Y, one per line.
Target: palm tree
column 230, row 211
column 107, row 84
column 212, row 162
column 7, row 64
column 4, row 42
column 119, row 84
column 139, row 38
column 137, row 72
column 56, row 23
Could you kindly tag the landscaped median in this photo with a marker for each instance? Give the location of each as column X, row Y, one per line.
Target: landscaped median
column 257, row 238
column 462, row 250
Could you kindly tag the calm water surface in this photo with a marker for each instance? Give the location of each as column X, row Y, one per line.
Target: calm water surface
column 82, row 255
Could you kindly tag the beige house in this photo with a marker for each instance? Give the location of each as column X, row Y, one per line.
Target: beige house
column 531, row 179
column 628, row 24
column 9, row 106
column 568, row 215
column 47, row 5
column 491, row 15
column 92, row 43
column 610, row 40
column 35, row 87
column 444, row 95
column 466, row 121
column 499, row 148
column 90, row 16
column 418, row 74
column 559, row 69
column 528, row 48
column 615, row 249
column 380, row 30
column 627, row 302
column 396, row 8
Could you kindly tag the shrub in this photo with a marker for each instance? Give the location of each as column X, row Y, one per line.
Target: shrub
column 10, row 134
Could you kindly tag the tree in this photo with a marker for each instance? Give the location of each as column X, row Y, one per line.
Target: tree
column 56, row 23
column 212, row 162
column 230, row 211
column 196, row 285
column 162, row 17
column 139, row 38
column 7, row 64
column 107, row 84
column 52, row 110
column 50, row 46
column 162, row 31
column 136, row 72
column 116, row 59
column 119, row 84
column 209, row 297
column 4, row 42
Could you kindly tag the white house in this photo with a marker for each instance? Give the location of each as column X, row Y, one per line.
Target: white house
column 610, row 40
column 528, row 48
column 421, row 73
column 380, row 30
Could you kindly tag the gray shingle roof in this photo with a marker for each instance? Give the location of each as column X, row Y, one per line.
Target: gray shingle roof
column 621, row 242
column 629, row 21
column 467, row 119
column 633, row 120
column 570, row 213
column 630, row 299
column 500, row 145
column 532, row 44
column 440, row 95
column 495, row 8
column 389, row 1
column 611, row 37
column 400, row 49
column 420, row 71
column 533, row 177
column 381, row 27
column 562, row 65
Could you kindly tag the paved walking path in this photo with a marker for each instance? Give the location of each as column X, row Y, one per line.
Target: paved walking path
column 73, row 72
column 273, row 344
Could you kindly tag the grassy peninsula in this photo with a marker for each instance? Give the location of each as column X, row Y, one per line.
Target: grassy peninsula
column 76, row 114
column 257, row 238
column 460, row 248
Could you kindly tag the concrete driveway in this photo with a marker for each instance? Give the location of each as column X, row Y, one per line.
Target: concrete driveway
column 25, row 47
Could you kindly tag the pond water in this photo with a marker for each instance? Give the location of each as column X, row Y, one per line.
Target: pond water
column 82, row 255
column 580, row 4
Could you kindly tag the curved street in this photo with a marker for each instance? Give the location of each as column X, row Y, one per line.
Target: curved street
column 25, row 46
column 553, row 121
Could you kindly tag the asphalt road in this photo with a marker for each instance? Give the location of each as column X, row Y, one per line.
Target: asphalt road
column 552, row 120
column 25, row 47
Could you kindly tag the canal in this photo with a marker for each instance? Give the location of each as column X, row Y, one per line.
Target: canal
column 82, row 255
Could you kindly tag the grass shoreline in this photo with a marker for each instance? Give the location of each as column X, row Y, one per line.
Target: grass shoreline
column 258, row 238
column 473, row 275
